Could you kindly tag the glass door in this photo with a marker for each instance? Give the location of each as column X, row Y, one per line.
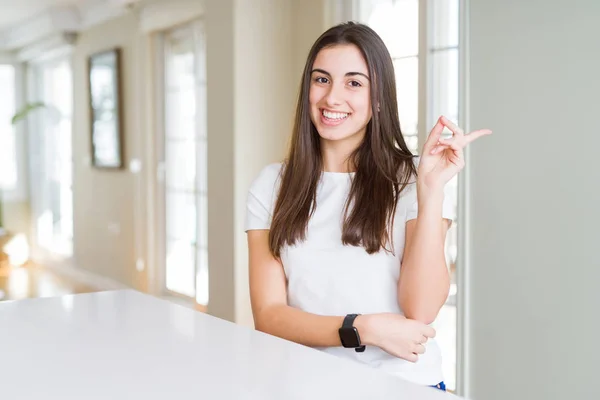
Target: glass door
column 183, row 164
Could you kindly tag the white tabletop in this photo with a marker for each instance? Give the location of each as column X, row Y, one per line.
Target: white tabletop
column 127, row 345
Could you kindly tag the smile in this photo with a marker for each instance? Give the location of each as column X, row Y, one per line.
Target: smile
column 334, row 116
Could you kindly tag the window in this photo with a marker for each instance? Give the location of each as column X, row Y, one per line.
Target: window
column 8, row 148
column 52, row 165
column 397, row 22
column 185, row 163
column 422, row 98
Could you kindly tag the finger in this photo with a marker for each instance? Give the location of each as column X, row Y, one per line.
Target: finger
column 452, row 126
column 457, row 159
column 419, row 349
column 452, row 139
column 412, row 357
column 443, row 146
column 419, row 338
column 477, row 134
column 438, row 149
column 428, row 332
column 434, row 136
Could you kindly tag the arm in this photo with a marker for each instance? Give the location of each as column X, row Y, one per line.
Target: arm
column 393, row 333
column 424, row 279
column 268, row 296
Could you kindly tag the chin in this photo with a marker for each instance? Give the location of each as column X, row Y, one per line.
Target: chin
column 328, row 134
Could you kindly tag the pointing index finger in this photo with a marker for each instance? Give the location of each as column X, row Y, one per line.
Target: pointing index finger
column 477, row 134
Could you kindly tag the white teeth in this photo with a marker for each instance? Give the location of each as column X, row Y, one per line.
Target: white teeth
column 334, row 115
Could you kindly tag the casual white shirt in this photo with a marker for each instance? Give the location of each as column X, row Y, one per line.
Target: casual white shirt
column 327, row 278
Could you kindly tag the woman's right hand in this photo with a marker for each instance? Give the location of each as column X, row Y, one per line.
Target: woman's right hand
column 395, row 334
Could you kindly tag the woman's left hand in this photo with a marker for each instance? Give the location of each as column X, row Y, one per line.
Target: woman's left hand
column 442, row 159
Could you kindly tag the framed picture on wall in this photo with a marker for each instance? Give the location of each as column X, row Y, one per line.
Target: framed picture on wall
column 104, row 80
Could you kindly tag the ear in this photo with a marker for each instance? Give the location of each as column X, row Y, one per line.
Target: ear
column 378, row 109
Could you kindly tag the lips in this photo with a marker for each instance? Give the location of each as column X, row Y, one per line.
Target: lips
column 333, row 118
column 333, row 115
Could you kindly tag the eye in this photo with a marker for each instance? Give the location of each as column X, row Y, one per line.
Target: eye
column 355, row 83
column 321, row 79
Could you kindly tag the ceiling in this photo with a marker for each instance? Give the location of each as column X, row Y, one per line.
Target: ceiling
column 14, row 12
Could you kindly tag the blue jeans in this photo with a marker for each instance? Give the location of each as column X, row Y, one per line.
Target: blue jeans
column 440, row 386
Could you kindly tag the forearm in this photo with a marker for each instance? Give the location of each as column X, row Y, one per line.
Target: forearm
column 299, row 326
column 424, row 279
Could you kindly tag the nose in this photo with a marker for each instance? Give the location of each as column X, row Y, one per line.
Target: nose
column 334, row 96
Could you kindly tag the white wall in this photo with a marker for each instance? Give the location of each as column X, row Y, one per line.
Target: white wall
column 256, row 50
column 221, row 125
column 535, row 196
column 264, row 104
column 249, row 110
column 105, row 201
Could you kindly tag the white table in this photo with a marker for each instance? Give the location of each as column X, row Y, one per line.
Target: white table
column 121, row 345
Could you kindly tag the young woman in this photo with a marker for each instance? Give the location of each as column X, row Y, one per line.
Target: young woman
column 346, row 236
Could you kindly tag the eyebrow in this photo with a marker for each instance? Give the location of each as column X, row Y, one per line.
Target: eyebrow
column 347, row 73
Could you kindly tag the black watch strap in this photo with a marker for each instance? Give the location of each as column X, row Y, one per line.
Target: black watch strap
column 349, row 334
column 349, row 320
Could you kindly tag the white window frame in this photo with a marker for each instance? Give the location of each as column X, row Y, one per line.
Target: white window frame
column 463, row 263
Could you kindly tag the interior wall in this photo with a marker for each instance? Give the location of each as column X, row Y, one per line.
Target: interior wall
column 534, row 195
column 105, row 201
column 256, row 53
column 264, row 102
column 220, row 60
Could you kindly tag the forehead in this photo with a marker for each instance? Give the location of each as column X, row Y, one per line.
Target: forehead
column 340, row 59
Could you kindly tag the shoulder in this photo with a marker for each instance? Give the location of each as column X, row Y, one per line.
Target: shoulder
column 261, row 197
column 267, row 179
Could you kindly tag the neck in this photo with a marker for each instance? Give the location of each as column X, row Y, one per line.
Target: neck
column 336, row 159
column 336, row 155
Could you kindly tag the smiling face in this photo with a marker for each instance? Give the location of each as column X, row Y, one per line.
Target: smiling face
column 340, row 101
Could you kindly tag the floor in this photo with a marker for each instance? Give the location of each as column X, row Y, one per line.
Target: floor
column 32, row 281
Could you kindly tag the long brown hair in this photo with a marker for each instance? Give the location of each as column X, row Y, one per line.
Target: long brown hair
column 384, row 164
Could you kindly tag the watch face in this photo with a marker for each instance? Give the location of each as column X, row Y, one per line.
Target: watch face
column 349, row 337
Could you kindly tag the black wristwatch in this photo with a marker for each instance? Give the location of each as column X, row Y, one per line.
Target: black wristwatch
column 349, row 334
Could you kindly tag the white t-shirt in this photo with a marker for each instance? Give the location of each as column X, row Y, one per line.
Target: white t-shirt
column 327, row 278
